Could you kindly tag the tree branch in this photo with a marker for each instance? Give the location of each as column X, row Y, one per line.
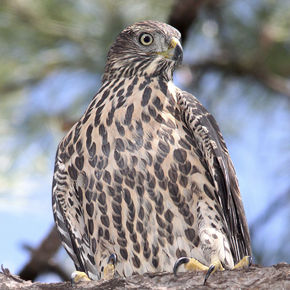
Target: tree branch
column 40, row 261
column 270, row 80
column 255, row 277
column 183, row 14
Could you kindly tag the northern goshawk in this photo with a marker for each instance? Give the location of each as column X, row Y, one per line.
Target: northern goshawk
column 144, row 181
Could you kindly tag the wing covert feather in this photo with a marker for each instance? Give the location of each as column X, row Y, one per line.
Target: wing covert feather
column 205, row 130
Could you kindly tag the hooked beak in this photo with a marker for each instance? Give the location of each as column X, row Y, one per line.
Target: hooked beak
column 174, row 51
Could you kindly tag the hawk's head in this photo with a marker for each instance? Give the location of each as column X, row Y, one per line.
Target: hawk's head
column 147, row 48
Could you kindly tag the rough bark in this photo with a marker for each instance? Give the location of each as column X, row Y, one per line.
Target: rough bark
column 255, row 277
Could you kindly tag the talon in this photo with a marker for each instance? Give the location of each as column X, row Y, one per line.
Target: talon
column 112, row 259
column 210, row 270
column 78, row 276
column 250, row 260
column 182, row 260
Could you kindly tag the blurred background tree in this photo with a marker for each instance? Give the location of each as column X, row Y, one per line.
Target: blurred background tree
column 236, row 61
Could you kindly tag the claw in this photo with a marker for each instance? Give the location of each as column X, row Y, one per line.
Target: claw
column 216, row 265
column 250, row 260
column 182, row 260
column 210, row 270
column 112, row 259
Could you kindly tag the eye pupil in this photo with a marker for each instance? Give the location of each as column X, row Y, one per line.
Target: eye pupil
column 146, row 39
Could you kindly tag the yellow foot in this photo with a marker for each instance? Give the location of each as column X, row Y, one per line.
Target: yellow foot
column 78, row 276
column 109, row 270
column 245, row 262
column 194, row 265
column 190, row 265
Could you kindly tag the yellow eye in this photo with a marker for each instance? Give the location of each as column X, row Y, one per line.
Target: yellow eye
column 146, row 39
